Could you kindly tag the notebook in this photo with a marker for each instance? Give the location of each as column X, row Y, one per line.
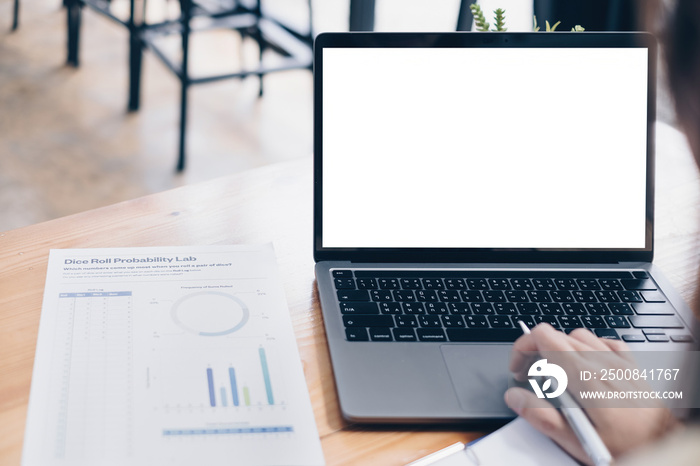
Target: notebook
column 464, row 181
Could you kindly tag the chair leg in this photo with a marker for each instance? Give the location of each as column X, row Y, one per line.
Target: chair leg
column 73, row 14
column 464, row 17
column 185, row 81
column 135, row 59
column 15, row 16
column 183, row 127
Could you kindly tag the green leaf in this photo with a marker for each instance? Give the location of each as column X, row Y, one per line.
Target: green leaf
column 554, row 27
column 479, row 18
column 578, row 28
column 535, row 27
column 500, row 18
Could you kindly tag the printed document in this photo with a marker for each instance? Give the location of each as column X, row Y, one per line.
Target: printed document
column 177, row 356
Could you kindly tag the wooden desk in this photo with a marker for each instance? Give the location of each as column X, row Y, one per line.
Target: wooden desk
column 270, row 204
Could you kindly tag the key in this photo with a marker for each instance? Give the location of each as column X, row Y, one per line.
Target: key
column 593, row 321
column 389, row 284
column 655, row 322
column 566, row 283
column 574, row 309
column 499, row 284
column 617, row 322
column 637, row 284
column 606, row 296
column 390, row 308
column 471, row 296
column 404, row 334
column 459, row 308
column 588, row 284
column 484, row 335
column 482, row 308
column 342, row 273
column 610, row 284
column 411, row 284
column 648, row 308
column 569, row 322
column 413, row 308
column 607, row 333
column 452, row 321
column 368, row 321
column 366, row 284
column 380, row 295
column 500, row 322
column 431, row 334
column 584, row 296
column 426, row 296
column 516, row 296
column 494, row 296
column 356, row 334
column 505, row 308
column 429, row 321
column 551, row 309
column 350, row 307
column 629, row 296
column 455, row 284
column 448, row 296
column 620, row 309
column 380, row 334
column 344, row 284
column 562, row 296
column 521, row 284
column 436, row 308
column 539, row 296
column 406, row 321
column 597, row 309
column 404, row 295
column 543, row 284
column 353, row 295
column 653, row 296
column 433, row 284
column 551, row 320
column 528, row 309
column 476, row 321
column 477, row 284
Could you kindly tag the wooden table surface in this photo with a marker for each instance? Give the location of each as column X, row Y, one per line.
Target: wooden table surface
column 273, row 204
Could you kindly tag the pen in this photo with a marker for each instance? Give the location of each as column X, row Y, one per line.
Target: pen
column 581, row 425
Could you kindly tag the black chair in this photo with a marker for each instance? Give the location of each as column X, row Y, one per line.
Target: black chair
column 248, row 20
column 594, row 15
column 15, row 15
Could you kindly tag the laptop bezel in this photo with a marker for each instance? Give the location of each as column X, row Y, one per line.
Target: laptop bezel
column 472, row 39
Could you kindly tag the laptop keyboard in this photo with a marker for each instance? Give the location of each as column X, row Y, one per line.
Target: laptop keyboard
column 485, row 306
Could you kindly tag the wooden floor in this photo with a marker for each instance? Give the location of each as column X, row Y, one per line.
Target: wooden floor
column 67, row 143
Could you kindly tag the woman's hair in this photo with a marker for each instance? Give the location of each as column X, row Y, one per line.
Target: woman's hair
column 682, row 51
column 682, row 38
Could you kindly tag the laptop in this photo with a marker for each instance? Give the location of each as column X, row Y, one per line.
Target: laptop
column 465, row 181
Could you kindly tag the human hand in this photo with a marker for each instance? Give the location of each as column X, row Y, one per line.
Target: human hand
column 621, row 428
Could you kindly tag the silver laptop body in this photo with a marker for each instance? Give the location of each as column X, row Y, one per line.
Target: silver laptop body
column 460, row 178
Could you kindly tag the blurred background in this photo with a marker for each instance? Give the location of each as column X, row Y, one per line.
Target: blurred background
column 68, row 143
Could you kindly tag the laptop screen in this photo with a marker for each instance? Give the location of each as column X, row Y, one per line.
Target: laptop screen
column 485, row 148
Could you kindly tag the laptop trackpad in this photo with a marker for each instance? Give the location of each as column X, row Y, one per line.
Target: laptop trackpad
column 479, row 376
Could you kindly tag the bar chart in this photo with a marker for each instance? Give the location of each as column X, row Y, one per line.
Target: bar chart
column 229, row 392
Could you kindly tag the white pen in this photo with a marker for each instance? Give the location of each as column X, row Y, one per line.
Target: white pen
column 581, row 425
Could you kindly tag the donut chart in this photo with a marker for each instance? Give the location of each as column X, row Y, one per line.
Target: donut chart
column 210, row 313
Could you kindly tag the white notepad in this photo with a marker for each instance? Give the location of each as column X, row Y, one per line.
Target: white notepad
column 515, row 443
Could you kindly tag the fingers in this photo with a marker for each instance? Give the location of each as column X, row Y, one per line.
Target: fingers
column 588, row 338
column 546, row 419
column 542, row 339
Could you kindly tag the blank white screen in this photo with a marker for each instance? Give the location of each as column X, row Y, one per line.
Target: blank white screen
column 484, row 148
